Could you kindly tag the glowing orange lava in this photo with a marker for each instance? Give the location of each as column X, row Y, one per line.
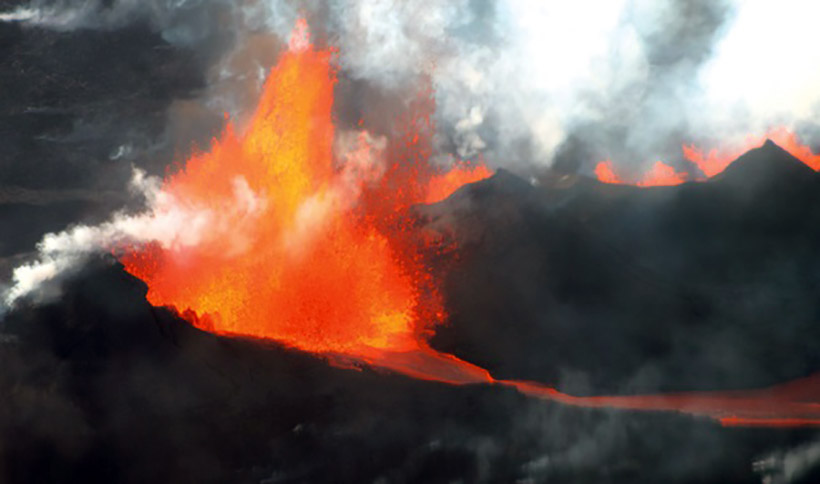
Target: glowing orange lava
column 792, row 404
column 778, row 406
column 442, row 186
column 606, row 173
column 714, row 161
column 769, row 422
column 660, row 174
column 307, row 264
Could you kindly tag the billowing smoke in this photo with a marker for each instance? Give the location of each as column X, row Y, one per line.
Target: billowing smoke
column 523, row 84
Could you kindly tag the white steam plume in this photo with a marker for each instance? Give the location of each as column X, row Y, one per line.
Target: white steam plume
column 168, row 221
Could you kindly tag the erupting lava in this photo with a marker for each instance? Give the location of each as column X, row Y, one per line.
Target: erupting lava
column 659, row 175
column 316, row 263
column 713, row 162
column 606, row 173
column 313, row 252
column 662, row 174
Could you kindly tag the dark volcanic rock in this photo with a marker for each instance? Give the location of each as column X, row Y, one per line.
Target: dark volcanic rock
column 101, row 387
column 602, row 288
column 767, row 165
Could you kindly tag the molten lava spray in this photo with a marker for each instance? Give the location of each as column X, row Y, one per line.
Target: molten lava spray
column 318, row 257
column 319, row 265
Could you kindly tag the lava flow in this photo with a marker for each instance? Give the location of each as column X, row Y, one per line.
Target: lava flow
column 317, row 256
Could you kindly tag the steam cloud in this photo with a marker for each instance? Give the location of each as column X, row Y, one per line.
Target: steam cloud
column 524, row 84
column 170, row 222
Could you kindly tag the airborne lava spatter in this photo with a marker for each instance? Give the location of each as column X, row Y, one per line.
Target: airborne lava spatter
column 318, row 258
column 317, row 264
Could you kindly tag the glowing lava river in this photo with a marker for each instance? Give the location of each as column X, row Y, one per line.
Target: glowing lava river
column 309, row 248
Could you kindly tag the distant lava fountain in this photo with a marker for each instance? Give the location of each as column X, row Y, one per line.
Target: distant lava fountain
column 715, row 161
column 660, row 174
column 711, row 163
column 312, row 251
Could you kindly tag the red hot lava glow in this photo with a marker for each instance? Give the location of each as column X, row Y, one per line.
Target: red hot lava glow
column 713, row 162
column 310, row 269
column 662, row 174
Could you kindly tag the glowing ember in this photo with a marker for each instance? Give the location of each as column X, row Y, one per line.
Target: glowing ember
column 306, row 265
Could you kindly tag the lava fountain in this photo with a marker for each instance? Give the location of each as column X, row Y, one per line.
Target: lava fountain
column 319, row 264
column 713, row 162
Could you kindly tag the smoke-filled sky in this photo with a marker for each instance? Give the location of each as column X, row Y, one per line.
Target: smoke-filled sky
column 521, row 82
